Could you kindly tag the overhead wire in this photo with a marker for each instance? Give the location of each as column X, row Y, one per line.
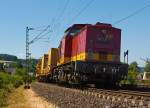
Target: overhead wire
column 81, row 11
column 37, row 36
column 40, row 27
column 53, row 20
column 55, row 16
column 132, row 14
column 59, row 18
column 41, row 36
column 63, row 10
column 71, row 11
column 61, row 15
column 72, row 8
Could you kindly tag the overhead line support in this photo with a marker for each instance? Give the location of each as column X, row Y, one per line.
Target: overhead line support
column 27, row 54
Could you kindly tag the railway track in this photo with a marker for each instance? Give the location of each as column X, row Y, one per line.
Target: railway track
column 137, row 91
column 135, row 97
column 110, row 92
column 124, row 93
column 90, row 96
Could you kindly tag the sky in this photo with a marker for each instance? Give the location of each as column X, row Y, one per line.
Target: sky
column 16, row 15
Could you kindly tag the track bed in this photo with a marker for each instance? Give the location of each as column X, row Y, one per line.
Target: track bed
column 91, row 98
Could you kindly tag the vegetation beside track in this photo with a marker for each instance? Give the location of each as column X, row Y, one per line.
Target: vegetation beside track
column 17, row 99
column 8, row 83
column 11, row 81
column 134, row 78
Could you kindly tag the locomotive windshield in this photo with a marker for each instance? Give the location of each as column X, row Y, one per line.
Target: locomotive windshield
column 72, row 32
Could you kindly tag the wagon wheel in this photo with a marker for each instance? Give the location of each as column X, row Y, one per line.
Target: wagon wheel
column 74, row 78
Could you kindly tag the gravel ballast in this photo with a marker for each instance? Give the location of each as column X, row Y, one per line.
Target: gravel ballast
column 71, row 98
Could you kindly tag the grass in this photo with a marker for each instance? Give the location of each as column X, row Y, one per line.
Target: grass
column 16, row 99
column 8, row 83
column 144, row 82
column 11, row 91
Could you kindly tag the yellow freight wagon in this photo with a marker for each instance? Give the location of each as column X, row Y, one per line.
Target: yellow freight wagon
column 38, row 67
column 52, row 58
column 44, row 64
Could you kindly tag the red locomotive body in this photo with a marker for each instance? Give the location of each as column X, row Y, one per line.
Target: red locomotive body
column 90, row 54
column 65, row 50
column 65, row 47
column 100, row 42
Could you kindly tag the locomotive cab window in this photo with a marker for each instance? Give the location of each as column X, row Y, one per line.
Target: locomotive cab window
column 73, row 32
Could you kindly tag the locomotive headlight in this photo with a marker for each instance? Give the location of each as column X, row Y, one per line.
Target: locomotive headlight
column 112, row 70
column 104, row 69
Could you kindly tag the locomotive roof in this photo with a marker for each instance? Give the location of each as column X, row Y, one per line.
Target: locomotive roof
column 80, row 26
column 103, row 24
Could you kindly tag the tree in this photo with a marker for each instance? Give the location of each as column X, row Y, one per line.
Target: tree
column 8, row 57
column 132, row 72
column 33, row 63
column 147, row 67
column 134, row 67
column 19, row 64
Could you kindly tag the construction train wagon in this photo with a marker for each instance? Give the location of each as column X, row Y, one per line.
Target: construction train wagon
column 86, row 54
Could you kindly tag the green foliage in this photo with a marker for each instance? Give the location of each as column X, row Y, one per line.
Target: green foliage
column 132, row 74
column 19, row 64
column 10, row 82
column 4, row 79
column 21, row 72
column 33, row 63
column 7, row 84
column 147, row 82
column 134, row 67
column 1, row 67
column 8, row 57
column 16, row 80
column 7, row 81
column 147, row 67
column 3, row 97
column 131, row 78
column 13, row 65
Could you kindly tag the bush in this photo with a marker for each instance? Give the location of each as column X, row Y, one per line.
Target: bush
column 5, row 79
column 3, row 97
column 7, row 84
column 20, row 72
column 16, row 80
column 130, row 79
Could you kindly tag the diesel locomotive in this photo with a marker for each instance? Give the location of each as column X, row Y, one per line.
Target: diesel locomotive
column 86, row 54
